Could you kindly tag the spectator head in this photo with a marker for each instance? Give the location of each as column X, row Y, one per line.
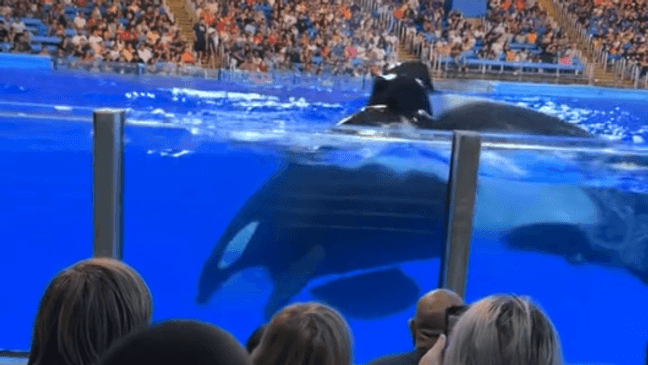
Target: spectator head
column 85, row 309
column 429, row 320
column 503, row 329
column 178, row 342
column 305, row 334
column 254, row 339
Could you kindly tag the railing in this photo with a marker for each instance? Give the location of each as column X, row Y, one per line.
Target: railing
column 441, row 66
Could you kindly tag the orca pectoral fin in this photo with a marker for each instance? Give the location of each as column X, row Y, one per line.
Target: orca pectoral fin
column 567, row 240
column 372, row 295
column 290, row 282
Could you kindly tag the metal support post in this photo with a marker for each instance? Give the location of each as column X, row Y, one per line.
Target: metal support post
column 108, row 182
column 462, row 190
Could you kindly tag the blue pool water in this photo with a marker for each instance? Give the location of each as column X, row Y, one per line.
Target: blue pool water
column 185, row 184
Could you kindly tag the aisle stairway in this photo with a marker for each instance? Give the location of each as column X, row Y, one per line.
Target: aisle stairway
column 182, row 17
column 601, row 77
column 404, row 55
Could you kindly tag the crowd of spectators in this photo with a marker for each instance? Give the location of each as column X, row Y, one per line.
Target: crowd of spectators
column 314, row 36
column 310, row 35
column 520, row 32
column 619, row 27
column 98, row 312
column 127, row 31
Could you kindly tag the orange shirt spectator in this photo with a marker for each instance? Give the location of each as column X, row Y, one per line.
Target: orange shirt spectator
column 532, row 37
column 91, row 23
column 272, row 39
column 506, row 5
column 520, row 5
column 510, row 56
column 222, row 24
column 187, row 57
column 125, row 36
column 209, row 19
column 257, row 39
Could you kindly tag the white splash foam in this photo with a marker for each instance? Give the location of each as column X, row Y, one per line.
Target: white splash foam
column 62, row 108
column 233, row 96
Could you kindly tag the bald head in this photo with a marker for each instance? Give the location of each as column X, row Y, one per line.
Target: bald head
column 429, row 320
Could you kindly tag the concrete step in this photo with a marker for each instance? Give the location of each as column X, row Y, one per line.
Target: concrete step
column 182, row 18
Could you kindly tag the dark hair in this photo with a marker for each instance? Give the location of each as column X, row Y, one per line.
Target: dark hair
column 305, row 334
column 85, row 309
column 178, row 342
column 255, row 339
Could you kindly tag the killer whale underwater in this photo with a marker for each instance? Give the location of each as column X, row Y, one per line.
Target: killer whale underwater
column 309, row 221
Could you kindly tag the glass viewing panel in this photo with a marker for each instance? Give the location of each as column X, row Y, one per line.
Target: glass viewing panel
column 46, row 216
column 567, row 225
column 231, row 232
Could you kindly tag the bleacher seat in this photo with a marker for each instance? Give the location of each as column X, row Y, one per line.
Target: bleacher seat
column 31, row 22
column 46, row 40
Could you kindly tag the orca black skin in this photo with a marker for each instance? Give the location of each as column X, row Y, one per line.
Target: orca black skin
column 403, row 92
column 309, row 221
column 321, row 220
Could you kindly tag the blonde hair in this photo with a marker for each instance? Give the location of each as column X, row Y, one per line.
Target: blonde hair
column 85, row 309
column 504, row 330
column 305, row 334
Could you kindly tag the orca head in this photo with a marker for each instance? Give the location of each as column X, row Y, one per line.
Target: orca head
column 231, row 255
column 412, row 69
column 401, row 96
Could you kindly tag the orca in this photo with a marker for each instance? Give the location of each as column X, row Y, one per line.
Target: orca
column 401, row 95
column 361, row 221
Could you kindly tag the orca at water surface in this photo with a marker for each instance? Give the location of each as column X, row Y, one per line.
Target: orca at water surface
column 402, row 94
column 361, row 222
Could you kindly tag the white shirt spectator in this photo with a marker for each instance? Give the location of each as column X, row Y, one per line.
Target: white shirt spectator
column 76, row 40
column 144, row 54
column 79, row 21
column 95, row 42
column 18, row 26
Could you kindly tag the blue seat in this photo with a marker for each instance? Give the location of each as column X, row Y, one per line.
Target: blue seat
column 42, row 30
column 123, row 21
column 52, row 49
column 46, row 40
column 69, row 32
column 31, row 22
column 5, row 46
column 36, row 48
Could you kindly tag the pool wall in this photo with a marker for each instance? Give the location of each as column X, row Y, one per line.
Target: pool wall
column 14, row 61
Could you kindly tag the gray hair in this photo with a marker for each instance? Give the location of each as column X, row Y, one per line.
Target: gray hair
column 504, row 330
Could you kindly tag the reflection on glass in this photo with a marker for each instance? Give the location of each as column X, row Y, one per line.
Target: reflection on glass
column 569, row 228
